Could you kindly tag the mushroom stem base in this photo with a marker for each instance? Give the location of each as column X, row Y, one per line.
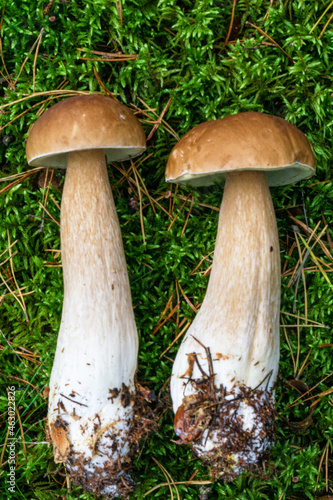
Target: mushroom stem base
column 231, row 431
column 98, row 453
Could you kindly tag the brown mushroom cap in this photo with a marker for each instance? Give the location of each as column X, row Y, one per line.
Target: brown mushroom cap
column 85, row 122
column 245, row 141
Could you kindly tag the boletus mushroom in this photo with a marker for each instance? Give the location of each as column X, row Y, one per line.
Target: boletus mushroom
column 92, row 388
column 224, row 375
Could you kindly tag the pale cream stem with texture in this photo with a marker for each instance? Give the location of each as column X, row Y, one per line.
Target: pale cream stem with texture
column 97, row 345
column 239, row 318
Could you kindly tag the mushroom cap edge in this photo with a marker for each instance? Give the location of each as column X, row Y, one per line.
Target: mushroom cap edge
column 244, row 141
column 84, row 122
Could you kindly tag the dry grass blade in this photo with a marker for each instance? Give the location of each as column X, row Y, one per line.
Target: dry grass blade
column 207, row 272
column 19, row 379
column 202, row 260
column 5, row 262
column 325, row 27
column 60, row 92
column 67, row 94
column 165, row 125
column 21, row 114
column 297, row 401
column 5, row 251
column 48, row 213
column 187, row 483
column 186, row 298
column 298, row 346
column 286, row 271
column 159, row 326
column 109, row 59
column 19, row 178
column 135, row 166
column 170, row 481
column 319, row 396
column 205, row 205
column 109, row 55
column 15, row 352
column 310, row 233
column 303, row 255
column 119, row 10
column 132, row 182
column 8, row 80
column 164, row 312
column 262, row 32
column 101, row 84
column 304, row 364
column 25, row 353
column 187, row 217
column 231, row 23
column 39, row 39
column 56, row 204
column 155, row 127
column 314, row 258
column 177, row 337
column 22, row 303
column 4, row 447
column 22, row 432
column 48, row 183
column 176, row 217
column 140, row 202
column 313, row 323
column 330, row 243
column 289, row 345
column 317, row 22
column 266, row 16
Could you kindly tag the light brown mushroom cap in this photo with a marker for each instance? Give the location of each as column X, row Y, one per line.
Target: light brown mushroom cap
column 244, row 141
column 84, row 122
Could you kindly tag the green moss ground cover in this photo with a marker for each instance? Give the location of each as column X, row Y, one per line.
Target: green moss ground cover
column 279, row 61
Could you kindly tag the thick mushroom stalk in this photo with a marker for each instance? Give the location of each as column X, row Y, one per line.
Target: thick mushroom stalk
column 224, row 374
column 93, row 397
column 223, row 377
column 92, row 382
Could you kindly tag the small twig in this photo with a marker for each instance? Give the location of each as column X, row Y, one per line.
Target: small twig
column 73, row 401
column 48, row 7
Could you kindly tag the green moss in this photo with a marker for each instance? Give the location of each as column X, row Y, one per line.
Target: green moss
column 180, row 56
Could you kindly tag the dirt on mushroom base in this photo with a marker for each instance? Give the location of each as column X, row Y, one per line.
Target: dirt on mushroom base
column 114, row 478
column 230, row 431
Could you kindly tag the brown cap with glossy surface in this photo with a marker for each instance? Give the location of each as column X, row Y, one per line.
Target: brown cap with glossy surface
column 245, row 141
column 85, row 122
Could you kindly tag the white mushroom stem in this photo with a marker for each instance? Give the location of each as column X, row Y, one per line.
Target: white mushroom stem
column 228, row 416
column 92, row 380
